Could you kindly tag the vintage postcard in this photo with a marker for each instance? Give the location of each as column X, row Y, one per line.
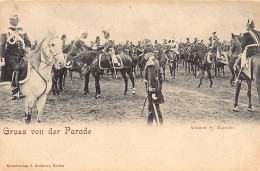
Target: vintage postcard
column 134, row 85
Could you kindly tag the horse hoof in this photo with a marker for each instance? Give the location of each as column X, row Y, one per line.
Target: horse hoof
column 28, row 119
column 249, row 109
column 235, row 109
column 98, row 96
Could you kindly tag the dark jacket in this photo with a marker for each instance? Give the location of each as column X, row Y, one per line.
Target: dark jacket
column 13, row 43
column 153, row 79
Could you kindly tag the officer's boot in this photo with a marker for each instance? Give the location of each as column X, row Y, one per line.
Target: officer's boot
column 15, row 87
column 16, row 93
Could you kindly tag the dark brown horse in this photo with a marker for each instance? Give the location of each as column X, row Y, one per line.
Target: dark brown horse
column 59, row 75
column 95, row 63
column 242, row 42
column 162, row 58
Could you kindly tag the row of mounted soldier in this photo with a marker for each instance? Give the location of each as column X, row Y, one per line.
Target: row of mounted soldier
column 151, row 59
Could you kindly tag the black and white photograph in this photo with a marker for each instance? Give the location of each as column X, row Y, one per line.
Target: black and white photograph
column 134, row 85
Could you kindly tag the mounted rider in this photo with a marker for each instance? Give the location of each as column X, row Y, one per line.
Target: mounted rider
column 79, row 46
column 127, row 48
column 251, row 47
column 15, row 44
column 96, row 45
column 108, row 49
column 153, row 82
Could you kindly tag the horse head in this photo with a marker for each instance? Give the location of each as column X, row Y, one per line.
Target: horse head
column 87, row 59
column 236, row 47
column 52, row 48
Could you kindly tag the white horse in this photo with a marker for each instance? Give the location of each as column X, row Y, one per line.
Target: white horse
column 48, row 54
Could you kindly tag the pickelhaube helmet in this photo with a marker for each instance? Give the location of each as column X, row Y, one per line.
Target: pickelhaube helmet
column 14, row 16
column 250, row 25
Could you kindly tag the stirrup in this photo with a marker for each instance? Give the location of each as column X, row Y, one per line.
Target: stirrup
column 17, row 96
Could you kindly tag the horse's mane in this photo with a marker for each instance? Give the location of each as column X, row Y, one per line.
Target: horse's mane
column 35, row 55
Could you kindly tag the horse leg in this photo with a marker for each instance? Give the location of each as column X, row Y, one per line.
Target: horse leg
column 170, row 67
column 223, row 69
column 209, row 74
column 53, row 87
column 97, row 85
column 28, row 109
column 70, row 73
column 174, row 68
column 249, row 84
column 64, row 76
column 202, row 75
column 60, row 80
column 218, row 72
column 233, row 76
column 134, row 71
column 257, row 80
column 123, row 73
column 238, row 87
column 40, row 106
column 132, row 78
column 164, row 72
column 86, row 91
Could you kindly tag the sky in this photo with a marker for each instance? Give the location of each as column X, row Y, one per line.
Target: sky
column 131, row 20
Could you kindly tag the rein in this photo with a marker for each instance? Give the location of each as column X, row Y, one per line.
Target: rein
column 47, row 64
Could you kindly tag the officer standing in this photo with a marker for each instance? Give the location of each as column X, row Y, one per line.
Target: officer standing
column 153, row 82
column 14, row 46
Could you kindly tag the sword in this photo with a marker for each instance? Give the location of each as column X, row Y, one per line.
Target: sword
column 144, row 106
column 156, row 114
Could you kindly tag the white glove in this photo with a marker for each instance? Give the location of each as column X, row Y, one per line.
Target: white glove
column 154, row 97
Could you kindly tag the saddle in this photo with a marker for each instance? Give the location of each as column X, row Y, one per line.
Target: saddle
column 6, row 72
column 106, row 61
column 245, row 61
column 222, row 58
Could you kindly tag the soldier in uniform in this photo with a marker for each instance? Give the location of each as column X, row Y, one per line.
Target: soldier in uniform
column 14, row 45
column 153, row 82
column 195, row 41
column 127, row 48
column 109, row 44
column 78, row 47
column 188, row 42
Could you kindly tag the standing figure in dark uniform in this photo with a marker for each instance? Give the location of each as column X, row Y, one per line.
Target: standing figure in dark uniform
column 153, row 82
column 127, row 48
column 14, row 45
